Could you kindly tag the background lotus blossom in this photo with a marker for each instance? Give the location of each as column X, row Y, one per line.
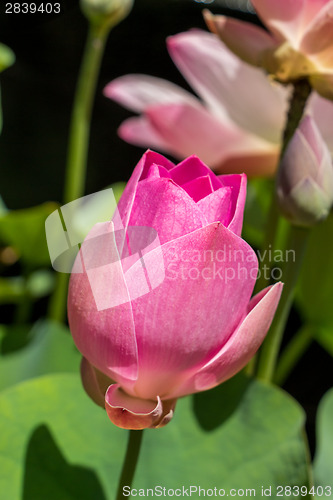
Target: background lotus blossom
column 230, row 129
column 305, row 177
column 200, row 325
column 299, row 44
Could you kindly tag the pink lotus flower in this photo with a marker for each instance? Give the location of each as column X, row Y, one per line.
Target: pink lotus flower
column 236, row 127
column 305, row 177
column 299, row 45
column 199, row 326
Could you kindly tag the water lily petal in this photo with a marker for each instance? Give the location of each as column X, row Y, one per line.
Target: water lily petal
column 94, row 382
column 141, row 132
column 283, row 18
column 188, row 129
column 140, row 171
column 164, row 206
column 137, row 92
column 322, row 112
column 238, row 185
column 323, row 84
column 91, row 295
column 223, row 82
column 209, row 266
column 241, row 346
column 244, row 39
column 129, row 412
column 317, row 38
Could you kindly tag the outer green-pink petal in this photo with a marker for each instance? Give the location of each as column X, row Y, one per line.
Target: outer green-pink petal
column 323, row 84
column 129, row 412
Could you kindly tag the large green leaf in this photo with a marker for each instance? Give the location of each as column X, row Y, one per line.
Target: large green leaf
column 315, row 290
column 52, row 433
column 25, row 231
column 323, row 464
column 50, row 350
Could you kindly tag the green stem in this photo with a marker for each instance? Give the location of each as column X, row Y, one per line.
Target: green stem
column 293, row 353
column 130, row 462
column 270, row 349
column 301, row 92
column 79, row 143
column 81, row 116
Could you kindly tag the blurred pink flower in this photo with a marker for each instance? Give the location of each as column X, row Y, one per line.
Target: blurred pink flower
column 299, row 44
column 305, row 177
column 199, row 326
column 235, row 128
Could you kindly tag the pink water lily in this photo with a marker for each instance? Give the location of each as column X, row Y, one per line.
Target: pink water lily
column 299, row 42
column 191, row 330
column 305, row 177
column 235, row 127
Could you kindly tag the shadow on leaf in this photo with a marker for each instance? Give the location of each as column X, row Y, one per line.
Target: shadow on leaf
column 212, row 408
column 49, row 475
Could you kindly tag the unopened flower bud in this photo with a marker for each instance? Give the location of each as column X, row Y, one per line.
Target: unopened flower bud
column 7, row 57
column 110, row 11
column 305, row 178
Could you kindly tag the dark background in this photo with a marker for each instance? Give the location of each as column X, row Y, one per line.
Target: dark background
column 37, row 92
column 37, row 95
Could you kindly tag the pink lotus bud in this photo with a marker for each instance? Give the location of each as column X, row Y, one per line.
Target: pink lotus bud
column 305, row 179
column 110, row 12
column 163, row 307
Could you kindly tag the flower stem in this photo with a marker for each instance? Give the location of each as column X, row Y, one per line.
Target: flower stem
column 270, row 349
column 300, row 95
column 292, row 353
column 301, row 92
column 81, row 115
column 130, row 462
column 79, row 142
